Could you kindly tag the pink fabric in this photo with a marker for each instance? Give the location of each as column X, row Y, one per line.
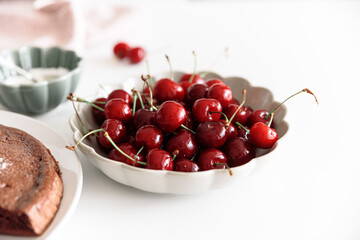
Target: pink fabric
column 54, row 22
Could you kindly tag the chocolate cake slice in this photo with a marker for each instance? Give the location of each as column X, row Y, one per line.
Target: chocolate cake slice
column 31, row 187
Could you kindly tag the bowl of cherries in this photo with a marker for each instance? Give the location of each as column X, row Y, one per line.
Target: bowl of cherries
column 179, row 133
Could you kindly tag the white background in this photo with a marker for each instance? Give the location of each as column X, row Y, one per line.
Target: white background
column 311, row 187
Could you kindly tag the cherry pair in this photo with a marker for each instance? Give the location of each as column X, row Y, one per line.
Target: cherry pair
column 122, row 50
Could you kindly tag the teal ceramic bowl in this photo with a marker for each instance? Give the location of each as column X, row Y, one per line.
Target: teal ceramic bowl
column 39, row 97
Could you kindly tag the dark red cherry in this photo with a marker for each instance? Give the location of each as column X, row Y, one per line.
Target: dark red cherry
column 214, row 81
column 210, row 159
column 185, row 85
column 260, row 116
column 136, row 55
column 232, row 132
column 211, row 134
column 185, row 165
column 99, row 115
column 144, row 117
column 262, row 136
column 131, row 151
column 242, row 132
column 238, row 151
column 183, row 141
column 166, row 89
column 241, row 116
column 195, row 92
column 222, row 93
column 121, row 50
column 149, row 136
column 118, row 109
column 169, row 116
column 235, row 101
column 190, row 121
column 159, row 159
column 116, row 130
column 119, row 93
column 203, row 109
column 187, row 77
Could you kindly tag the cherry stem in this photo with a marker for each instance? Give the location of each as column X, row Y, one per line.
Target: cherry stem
column 271, row 119
column 134, row 91
column 72, row 97
column 82, row 139
column 223, row 114
column 194, row 72
column 170, row 66
column 216, row 61
column 174, row 154
column 240, row 125
column 78, row 116
column 226, row 165
column 99, row 102
column 151, row 82
column 134, row 102
column 119, row 150
column 304, row 90
column 137, row 154
column 240, row 106
column 185, row 127
column 145, row 79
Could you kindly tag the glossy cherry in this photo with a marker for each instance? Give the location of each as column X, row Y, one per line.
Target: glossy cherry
column 195, row 92
column 203, row 109
column 214, row 81
column 262, row 136
column 210, row 159
column 136, row 54
column 131, row 151
column 118, row 109
column 238, row 151
column 184, row 142
column 97, row 114
column 241, row 116
column 222, row 93
column 259, row 115
column 211, row 134
column 185, row 165
column 116, row 130
column 121, row 50
column 122, row 94
column 170, row 116
column 144, row 117
column 166, row 89
column 149, row 136
column 187, row 77
column 159, row 159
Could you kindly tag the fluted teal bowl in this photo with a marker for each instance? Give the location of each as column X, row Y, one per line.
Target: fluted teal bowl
column 39, row 97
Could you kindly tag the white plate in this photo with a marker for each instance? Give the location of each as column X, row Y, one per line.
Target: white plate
column 172, row 181
column 69, row 163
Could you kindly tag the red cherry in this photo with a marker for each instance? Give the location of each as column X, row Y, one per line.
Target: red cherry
column 170, row 116
column 136, row 55
column 118, row 109
column 166, row 89
column 241, row 116
column 232, row 132
column 131, row 151
column 187, row 77
column 185, row 165
column 211, row 134
column 195, row 92
column 202, row 110
column 210, row 159
column 149, row 136
column 242, row 132
column 99, row 115
column 189, row 122
column 159, row 159
column 184, row 142
column 211, row 82
column 121, row 50
column 262, row 136
column 116, row 130
column 238, row 151
column 260, row 116
column 235, row 101
column 222, row 93
column 119, row 93
column 144, row 117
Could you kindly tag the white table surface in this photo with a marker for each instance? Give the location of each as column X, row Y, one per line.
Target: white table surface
column 311, row 188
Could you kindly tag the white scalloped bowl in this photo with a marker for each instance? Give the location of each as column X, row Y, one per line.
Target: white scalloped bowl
column 170, row 181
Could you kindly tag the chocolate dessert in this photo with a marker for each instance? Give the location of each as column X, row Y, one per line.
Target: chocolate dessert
column 31, row 187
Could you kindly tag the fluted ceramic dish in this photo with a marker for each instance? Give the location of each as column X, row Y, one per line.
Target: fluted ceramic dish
column 171, row 181
column 41, row 96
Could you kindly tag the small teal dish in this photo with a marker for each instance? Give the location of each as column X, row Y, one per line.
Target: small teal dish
column 39, row 97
